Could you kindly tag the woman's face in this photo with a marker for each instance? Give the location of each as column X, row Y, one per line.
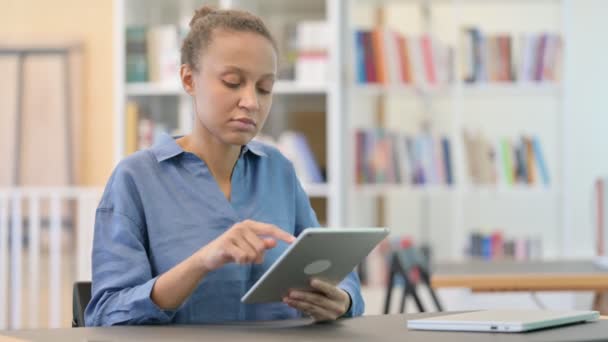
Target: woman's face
column 232, row 86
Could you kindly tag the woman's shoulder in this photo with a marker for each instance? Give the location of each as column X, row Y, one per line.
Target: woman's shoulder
column 135, row 162
column 128, row 171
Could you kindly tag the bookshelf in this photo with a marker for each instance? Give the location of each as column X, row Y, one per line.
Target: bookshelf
column 444, row 215
column 438, row 214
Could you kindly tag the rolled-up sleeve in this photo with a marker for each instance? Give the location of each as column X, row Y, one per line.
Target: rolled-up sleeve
column 122, row 277
column 305, row 218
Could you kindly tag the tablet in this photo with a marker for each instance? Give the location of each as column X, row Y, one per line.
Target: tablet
column 329, row 254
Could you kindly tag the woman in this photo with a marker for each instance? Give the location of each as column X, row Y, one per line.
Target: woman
column 187, row 226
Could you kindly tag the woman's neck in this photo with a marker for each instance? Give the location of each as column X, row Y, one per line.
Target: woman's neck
column 219, row 157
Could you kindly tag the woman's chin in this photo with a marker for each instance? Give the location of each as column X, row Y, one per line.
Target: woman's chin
column 239, row 138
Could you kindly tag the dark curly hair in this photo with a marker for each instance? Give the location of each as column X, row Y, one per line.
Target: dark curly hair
column 206, row 19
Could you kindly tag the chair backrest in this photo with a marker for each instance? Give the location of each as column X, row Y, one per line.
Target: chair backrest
column 81, row 295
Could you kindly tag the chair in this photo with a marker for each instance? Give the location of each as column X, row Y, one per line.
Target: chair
column 412, row 266
column 81, row 295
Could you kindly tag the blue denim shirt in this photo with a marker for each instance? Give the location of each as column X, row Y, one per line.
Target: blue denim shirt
column 161, row 205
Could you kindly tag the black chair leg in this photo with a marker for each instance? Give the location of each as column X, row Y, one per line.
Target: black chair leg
column 417, row 300
column 435, row 299
column 389, row 292
column 403, row 299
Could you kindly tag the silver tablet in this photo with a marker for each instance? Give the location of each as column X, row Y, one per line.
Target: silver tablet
column 324, row 253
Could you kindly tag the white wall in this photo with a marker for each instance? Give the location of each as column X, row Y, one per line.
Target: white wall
column 586, row 124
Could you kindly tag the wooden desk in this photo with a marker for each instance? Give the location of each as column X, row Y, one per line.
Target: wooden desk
column 367, row 328
column 491, row 276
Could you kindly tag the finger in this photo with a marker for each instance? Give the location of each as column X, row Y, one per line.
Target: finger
column 255, row 241
column 235, row 254
column 257, row 244
column 337, row 308
column 248, row 250
column 326, row 288
column 270, row 243
column 318, row 313
column 271, row 230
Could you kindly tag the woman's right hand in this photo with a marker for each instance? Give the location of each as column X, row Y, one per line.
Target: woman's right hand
column 244, row 243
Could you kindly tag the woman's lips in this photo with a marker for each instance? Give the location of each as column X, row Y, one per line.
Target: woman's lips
column 245, row 124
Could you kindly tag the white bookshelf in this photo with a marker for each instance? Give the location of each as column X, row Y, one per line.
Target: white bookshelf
column 444, row 215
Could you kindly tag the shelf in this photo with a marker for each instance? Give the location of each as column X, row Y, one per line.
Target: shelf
column 372, row 89
column 435, row 190
column 386, row 189
column 510, row 89
column 295, row 88
column 171, row 88
column 517, row 89
column 515, row 190
column 152, row 89
column 453, row 2
column 316, row 189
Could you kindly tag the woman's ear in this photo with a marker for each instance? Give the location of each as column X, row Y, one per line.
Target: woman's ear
column 185, row 73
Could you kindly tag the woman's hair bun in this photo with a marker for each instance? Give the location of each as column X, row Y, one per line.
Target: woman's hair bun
column 201, row 13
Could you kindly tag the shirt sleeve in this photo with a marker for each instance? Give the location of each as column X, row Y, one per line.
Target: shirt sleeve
column 122, row 276
column 305, row 218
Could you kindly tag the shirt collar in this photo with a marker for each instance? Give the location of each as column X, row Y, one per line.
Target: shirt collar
column 166, row 148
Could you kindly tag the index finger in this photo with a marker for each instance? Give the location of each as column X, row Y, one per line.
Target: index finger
column 271, row 230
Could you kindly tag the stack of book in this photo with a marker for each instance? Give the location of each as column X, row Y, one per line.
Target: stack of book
column 494, row 246
column 312, row 40
column 385, row 56
column 384, row 157
column 503, row 58
column 152, row 53
column 507, row 161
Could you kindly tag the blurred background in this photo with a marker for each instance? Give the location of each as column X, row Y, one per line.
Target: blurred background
column 472, row 128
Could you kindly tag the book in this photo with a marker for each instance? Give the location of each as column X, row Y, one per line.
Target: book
column 507, row 161
column 131, row 127
column 447, row 161
column 530, row 164
column 360, row 57
column 136, row 69
column 295, row 147
column 428, row 58
column 163, row 54
column 311, row 66
column 540, row 161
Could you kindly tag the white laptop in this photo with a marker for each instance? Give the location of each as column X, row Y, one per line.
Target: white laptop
column 327, row 253
column 502, row 320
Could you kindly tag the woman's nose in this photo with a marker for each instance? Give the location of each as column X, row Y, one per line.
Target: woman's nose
column 249, row 99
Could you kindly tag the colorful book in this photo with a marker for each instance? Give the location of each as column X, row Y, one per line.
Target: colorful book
column 540, row 161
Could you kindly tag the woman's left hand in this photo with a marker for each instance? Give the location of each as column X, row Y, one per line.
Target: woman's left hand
column 327, row 303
